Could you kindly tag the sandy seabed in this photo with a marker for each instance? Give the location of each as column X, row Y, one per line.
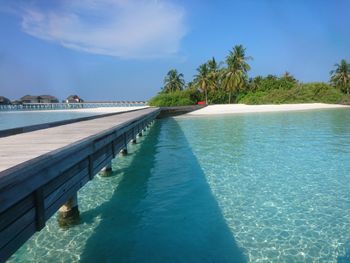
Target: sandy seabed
column 243, row 108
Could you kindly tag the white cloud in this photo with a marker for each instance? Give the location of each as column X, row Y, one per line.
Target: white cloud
column 121, row 28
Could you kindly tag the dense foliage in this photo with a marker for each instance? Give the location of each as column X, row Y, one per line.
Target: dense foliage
column 218, row 83
column 303, row 93
column 340, row 77
column 176, row 98
column 173, row 81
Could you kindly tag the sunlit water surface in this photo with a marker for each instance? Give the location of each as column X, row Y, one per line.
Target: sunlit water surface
column 271, row 187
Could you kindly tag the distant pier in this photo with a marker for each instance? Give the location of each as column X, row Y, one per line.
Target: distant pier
column 69, row 106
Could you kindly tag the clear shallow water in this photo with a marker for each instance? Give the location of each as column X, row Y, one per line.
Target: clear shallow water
column 252, row 188
column 16, row 119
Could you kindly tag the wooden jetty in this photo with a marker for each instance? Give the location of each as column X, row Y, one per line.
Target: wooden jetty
column 41, row 171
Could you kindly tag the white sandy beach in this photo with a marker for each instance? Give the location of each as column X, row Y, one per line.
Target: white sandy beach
column 243, row 108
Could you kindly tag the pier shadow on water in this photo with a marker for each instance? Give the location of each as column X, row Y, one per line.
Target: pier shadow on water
column 162, row 210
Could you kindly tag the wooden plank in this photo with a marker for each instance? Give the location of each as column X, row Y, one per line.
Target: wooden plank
column 42, row 175
column 63, row 188
column 119, row 144
column 31, row 191
column 18, row 130
column 91, row 167
column 14, row 244
column 39, row 209
column 103, row 154
column 11, row 214
column 68, row 194
column 130, row 135
column 103, row 163
column 101, row 142
column 113, row 148
column 125, row 140
column 114, row 122
column 54, row 184
column 7, row 234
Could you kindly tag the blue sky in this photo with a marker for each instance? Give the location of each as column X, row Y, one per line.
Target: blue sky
column 121, row 49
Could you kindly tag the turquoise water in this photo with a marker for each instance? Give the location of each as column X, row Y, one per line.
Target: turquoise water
column 16, row 119
column 270, row 187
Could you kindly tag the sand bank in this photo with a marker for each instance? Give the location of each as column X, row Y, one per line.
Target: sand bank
column 243, row 108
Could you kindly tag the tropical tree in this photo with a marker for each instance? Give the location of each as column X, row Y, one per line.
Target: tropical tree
column 190, row 85
column 272, row 77
column 203, row 80
column 173, row 81
column 255, row 83
column 289, row 77
column 235, row 75
column 340, row 77
column 214, row 73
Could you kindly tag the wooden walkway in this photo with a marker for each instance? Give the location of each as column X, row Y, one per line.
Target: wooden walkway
column 41, row 170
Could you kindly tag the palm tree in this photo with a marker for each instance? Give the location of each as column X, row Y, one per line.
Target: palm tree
column 190, row 85
column 235, row 75
column 203, row 80
column 214, row 72
column 173, row 81
column 340, row 77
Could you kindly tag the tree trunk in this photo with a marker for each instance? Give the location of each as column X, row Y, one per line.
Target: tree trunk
column 206, row 97
column 229, row 97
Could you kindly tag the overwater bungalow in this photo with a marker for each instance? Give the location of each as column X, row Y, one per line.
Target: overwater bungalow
column 4, row 101
column 74, row 99
column 39, row 99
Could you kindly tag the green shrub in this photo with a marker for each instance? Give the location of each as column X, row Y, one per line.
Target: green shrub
column 345, row 100
column 176, row 98
column 304, row 93
column 272, row 83
column 217, row 97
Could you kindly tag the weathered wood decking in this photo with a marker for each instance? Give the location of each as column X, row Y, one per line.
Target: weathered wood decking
column 41, row 170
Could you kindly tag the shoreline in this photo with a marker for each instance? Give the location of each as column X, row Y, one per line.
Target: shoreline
column 220, row 109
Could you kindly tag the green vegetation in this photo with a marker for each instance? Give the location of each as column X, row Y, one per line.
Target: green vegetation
column 340, row 77
column 303, row 93
column 228, row 82
column 176, row 98
column 173, row 81
column 234, row 77
column 203, row 80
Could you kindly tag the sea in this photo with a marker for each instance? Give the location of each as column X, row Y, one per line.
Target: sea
column 256, row 187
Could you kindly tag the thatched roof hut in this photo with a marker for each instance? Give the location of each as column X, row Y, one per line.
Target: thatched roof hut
column 74, row 99
column 39, row 99
column 4, row 101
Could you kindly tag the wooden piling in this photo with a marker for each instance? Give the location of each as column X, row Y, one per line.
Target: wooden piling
column 68, row 214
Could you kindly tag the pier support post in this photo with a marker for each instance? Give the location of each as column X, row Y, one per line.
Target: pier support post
column 68, row 214
column 106, row 171
column 140, row 134
column 124, row 152
column 133, row 141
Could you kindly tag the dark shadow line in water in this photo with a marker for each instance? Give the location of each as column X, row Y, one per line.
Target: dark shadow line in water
column 346, row 257
column 159, row 215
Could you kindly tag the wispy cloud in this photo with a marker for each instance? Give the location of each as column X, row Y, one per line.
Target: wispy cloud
column 120, row 28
